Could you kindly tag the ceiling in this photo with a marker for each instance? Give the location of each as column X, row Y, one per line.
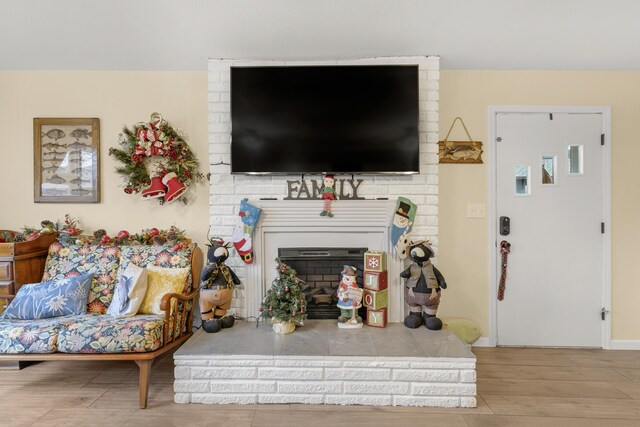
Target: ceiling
column 182, row 34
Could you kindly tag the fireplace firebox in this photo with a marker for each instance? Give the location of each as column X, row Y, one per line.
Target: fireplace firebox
column 320, row 269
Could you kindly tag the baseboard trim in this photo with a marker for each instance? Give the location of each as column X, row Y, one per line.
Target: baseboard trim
column 625, row 344
column 482, row 342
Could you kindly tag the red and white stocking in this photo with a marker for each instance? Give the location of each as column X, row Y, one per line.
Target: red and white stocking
column 248, row 216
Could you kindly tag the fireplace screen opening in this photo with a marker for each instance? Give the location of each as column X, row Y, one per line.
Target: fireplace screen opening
column 320, row 269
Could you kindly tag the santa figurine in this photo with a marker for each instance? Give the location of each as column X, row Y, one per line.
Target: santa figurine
column 349, row 299
column 328, row 194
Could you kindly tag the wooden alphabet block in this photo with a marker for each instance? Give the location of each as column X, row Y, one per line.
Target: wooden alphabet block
column 375, row 261
column 377, row 318
column 374, row 280
column 376, row 299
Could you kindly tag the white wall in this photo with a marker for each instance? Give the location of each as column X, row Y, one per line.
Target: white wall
column 117, row 99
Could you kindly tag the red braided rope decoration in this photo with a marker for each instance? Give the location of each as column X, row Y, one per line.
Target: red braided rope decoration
column 505, row 249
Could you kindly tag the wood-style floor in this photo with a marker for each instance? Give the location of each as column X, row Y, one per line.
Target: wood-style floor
column 516, row 387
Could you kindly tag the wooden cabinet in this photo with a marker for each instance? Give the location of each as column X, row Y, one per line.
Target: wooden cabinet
column 22, row 263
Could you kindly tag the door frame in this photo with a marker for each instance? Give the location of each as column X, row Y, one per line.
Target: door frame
column 493, row 111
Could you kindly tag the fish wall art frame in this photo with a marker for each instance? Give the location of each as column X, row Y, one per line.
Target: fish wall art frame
column 66, row 160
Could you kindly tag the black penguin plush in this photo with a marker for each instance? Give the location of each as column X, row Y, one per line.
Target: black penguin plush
column 423, row 286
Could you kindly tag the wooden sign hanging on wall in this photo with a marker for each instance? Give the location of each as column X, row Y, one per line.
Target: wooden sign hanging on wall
column 459, row 151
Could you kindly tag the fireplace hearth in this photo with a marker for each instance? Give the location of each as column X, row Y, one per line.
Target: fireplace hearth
column 320, row 269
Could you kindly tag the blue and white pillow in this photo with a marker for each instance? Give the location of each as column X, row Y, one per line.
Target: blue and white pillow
column 51, row 299
column 130, row 291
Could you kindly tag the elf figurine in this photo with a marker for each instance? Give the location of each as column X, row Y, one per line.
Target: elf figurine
column 349, row 299
column 328, row 194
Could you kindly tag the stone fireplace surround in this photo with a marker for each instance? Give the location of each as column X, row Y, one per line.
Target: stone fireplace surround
column 319, row 363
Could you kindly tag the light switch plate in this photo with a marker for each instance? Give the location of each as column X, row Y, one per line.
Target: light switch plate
column 476, row 210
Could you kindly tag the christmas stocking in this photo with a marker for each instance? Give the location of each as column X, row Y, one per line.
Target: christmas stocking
column 402, row 223
column 248, row 216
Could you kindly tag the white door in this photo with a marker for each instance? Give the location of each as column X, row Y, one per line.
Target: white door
column 550, row 186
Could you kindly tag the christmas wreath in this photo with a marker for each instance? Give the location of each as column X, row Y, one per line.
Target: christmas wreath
column 156, row 143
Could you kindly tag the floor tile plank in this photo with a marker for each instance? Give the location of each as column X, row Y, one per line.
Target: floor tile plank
column 519, row 421
column 363, row 419
column 564, row 407
column 519, row 387
column 554, row 373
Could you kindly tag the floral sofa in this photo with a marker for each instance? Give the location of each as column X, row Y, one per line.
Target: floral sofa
column 96, row 335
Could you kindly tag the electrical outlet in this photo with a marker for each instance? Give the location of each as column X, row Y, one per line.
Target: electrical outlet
column 476, row 210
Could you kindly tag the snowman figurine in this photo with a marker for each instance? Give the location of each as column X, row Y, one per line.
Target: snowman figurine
column 349, row 299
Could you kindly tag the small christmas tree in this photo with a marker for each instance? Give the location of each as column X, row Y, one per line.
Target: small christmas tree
column 285, row 301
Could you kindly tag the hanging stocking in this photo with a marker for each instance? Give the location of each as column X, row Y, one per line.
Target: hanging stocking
column 401, row 227
column 248, row 216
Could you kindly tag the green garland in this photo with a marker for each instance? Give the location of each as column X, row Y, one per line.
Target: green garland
column 158, row 139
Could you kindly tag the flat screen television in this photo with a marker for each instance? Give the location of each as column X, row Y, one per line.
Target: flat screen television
column 316, row 119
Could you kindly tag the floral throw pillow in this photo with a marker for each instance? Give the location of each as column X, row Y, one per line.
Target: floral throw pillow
column 161, row 281
column 72, row 260
column 50, row 299
column 159, row 256
column 129, row 293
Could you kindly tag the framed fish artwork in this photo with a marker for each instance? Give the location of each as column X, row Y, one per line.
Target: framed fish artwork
column 66, row 160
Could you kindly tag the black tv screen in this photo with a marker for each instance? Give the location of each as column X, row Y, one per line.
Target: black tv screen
column 315, row 119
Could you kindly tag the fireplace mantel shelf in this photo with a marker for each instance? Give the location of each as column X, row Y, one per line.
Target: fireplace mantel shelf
column 287, row 223
column 347, row 213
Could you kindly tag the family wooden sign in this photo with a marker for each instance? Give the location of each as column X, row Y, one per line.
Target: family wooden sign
column 346, row 189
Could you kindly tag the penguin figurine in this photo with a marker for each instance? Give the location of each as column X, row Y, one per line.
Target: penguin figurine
column 423, row 287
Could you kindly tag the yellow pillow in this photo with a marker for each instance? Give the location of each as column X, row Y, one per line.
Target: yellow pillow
column 161, row 281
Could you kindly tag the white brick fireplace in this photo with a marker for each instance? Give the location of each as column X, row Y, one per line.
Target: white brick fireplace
column 228, row 190
column 320, row 363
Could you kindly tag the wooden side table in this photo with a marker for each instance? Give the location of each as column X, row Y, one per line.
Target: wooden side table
column 22, row 263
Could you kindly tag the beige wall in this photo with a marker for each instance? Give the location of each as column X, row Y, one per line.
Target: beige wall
column 463, row 241
column 119, row 98
column 116, row 98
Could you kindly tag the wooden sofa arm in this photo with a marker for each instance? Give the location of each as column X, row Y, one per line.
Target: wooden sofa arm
column 165, row 303
column 185, row 318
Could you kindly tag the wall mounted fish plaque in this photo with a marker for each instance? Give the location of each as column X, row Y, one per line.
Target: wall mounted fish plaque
column 459, row 151
column 67, row 163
